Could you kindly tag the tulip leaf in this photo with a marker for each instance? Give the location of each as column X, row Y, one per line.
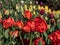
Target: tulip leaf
column 6, row 34
column 40, row 42
column 45, row 35
column 58, row 25
column 0, row 43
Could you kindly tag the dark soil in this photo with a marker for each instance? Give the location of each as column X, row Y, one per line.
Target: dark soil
column 52, row 5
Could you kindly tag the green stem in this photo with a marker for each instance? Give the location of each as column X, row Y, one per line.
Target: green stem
column 21, row 38
column 3, row 35
column 30, row 39
column 10, row 38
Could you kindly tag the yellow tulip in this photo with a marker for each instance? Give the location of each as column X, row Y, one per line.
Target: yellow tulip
column 0, row 15
column 48, row 26
column 46, row 7
column 46, row 11
column 16, row 14
column 36, row 32
column 39, row 7
column 31, row 6
column 17, row 6
column 58, row 11
column 25, row 6
column 26, row 9
column 46, row 18
column 34, row 12
column 11, row 11
column 54, row 11
column 21, row 9
column 6, row 12
column 30, row 9
column 49, row 10
column 34, row 7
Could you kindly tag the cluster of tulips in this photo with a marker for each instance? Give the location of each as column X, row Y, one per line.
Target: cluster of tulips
column 36, row 25
column 41, row 24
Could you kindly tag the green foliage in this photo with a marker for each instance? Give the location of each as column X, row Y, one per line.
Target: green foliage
column 40, row 42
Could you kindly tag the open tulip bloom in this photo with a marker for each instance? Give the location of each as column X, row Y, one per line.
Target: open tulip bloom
column 28, row 23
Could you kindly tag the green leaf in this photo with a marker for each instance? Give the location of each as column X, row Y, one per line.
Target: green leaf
column 56, row 16
column 1, row 36
column 45, row 35
column 6, row 34
column 0, row 43
column 40, row 42
column 58, row 25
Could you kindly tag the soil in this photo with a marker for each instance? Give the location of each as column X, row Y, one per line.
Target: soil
column 51, row 4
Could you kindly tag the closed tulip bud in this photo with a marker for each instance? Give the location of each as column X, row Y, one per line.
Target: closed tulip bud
column 42, row 11
column 0, row 15
column 30, row 9
column 34, row 12
column 0, row 20
column 6, row 12
column 39, row 7
column 49, row 10
column 26, row 9
column 51, row 15
column 34, row 7
column 36, row 2
column 46, row 18
column 46, row 11
column 52, row 21
column 17, row 6
column 25, row 6
column 48, row 26
column 58, row 12
column 21, row 9
column 31, row 6
column 54, row 11
column 41, row 3
column 56, row 16
column 46, row 7
column 11, row 11
column 16, row 14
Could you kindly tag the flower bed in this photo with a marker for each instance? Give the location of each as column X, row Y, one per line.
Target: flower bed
column 23, row 23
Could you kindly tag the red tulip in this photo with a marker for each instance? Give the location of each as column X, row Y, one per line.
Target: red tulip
column 55, row 43
column 52, row 20
column 14, row 33
column 36, row 41
column 51, row 15
column 29, row 26
column 55, row 37
column 26, row 42
column 27, row 14
column 19, row 24
column 42, row 11
column 8, row 22
column 40, row 24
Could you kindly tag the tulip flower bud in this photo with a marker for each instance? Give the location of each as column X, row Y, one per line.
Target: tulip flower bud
column 42, row 11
